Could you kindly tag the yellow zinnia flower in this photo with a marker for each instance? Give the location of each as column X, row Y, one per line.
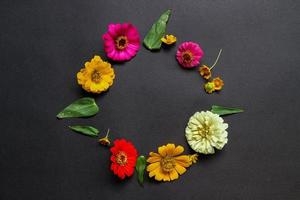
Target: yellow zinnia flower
column 168, row 163
column 169, row 39
column 97, row 75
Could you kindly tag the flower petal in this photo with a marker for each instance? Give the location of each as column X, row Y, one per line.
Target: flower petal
column 180, row 169
column 183, row 158
column 178, row 150
column 166, row 177
column 153, row 159
column 174, row 175
column 159, row 176
column 154, row 172
column 162, row 150
column 154, row 154
column 153, row 166
column 170, row 149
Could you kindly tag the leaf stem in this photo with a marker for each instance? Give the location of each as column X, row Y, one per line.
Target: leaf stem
column 217, row 59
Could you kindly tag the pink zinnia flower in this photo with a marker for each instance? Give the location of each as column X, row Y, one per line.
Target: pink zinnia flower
column 189, row 54
column 121, row 42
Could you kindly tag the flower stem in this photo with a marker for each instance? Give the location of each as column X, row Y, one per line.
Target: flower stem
column 216, row 61
column 107, row 133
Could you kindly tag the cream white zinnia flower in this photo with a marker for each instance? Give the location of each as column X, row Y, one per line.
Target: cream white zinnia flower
column 206, row 131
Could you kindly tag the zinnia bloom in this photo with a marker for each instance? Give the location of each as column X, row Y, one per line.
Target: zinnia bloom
column 219, row 83
column 97, row 75
column 168, row 163
column 189, row 54
column 205, row 72
column 206, row 131
column 123, row 158
column 121, row 42
column 209, row 87
column 169, row 39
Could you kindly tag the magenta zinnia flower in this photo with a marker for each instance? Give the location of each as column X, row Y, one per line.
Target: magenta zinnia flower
column 189, row 54
column 121, row 42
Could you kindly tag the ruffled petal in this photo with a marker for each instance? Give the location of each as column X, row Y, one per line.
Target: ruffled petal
column 153, row 159
column 170, row 149
column 178, row 150
column 162, row 151
column 174, row 175
column 153, row 166
column 180, row 169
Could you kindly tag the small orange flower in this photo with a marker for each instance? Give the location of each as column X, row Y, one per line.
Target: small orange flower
column 169, row 39
column 219, row 83
column 105, row 140
column 209, row 87
column 205, row 72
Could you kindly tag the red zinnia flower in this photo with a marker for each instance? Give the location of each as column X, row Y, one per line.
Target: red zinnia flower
column 123, row 158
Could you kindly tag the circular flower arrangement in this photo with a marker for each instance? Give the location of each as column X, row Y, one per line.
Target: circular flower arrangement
column 205, row 130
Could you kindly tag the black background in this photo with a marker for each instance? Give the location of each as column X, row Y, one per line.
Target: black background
column 44, row 44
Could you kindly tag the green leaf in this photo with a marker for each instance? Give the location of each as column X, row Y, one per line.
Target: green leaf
column 85, row 130
column 220, row 110
column 153, row 39
column 84, row 107
column 140, row 168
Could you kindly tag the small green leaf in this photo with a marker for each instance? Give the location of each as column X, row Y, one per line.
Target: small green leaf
column 84, row 107
column 85, row 130
column 220, row 110
column 140, row 168
column 153, row 38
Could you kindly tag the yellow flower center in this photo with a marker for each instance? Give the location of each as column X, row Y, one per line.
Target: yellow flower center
column 167, row 163
column 96, row 76
column 187, row 57
column 203, row 131
column 121, row 158
column 121, row 42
